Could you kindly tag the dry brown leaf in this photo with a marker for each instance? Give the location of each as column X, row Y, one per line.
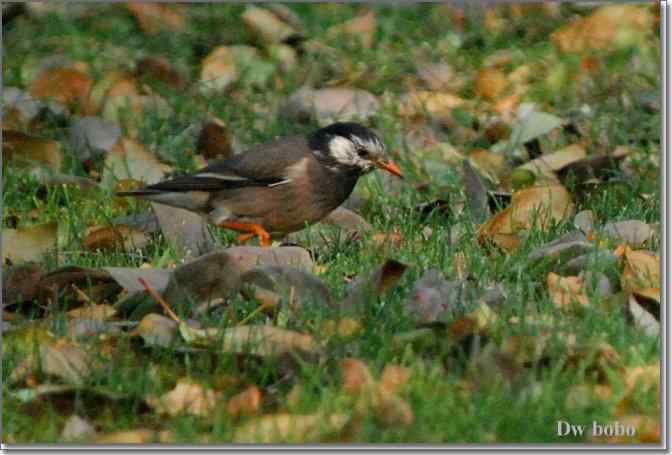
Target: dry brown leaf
column 642, row 377
column 247, row 402
column 547, row 164
column 355, row 375
column 362, row 26
column 491, row 83
column 609, row 26
column 112, row 237
column 28, row 243
column 538, row 205
column 101, row 312
column 641, row 274
column 21, row 150
column 332, row 104
column 154, row 17
column 187, row 397
column 66, row 360
column 215, row 140
column 290, row 428
column 266, row 340
column 438, row 105
column 218, row 70
column 346, row 327
column 66, row 85
column 130, row 160
column 157, row 330
column 491, row 165
column 269, row 27
column 393, row 377
column 138, row 436
column 565, row 291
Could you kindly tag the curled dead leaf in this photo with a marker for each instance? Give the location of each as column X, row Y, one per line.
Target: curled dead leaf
column 28, row 243
column 112, row 237
column 565, row 291
column 290, row 428
column 186, row 398
column 247, row 402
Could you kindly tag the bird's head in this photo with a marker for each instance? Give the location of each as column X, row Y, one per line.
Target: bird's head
column 352, row 146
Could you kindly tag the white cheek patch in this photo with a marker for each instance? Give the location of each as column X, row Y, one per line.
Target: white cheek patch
column 343, row 151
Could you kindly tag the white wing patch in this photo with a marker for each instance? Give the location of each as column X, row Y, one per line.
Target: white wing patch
column 230, row 177
column 282, row 182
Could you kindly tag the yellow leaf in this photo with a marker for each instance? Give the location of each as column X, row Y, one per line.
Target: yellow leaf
column 565, row 291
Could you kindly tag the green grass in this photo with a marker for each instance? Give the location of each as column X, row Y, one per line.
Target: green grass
column 525, row 410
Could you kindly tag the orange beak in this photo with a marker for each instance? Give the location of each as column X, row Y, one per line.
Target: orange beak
column 391, row 167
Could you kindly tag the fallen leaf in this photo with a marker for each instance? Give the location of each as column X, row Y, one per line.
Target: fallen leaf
column 101, row 312
column 66, row 361
column 612, row 26
column 569, row 246
column 269, row 27
column 298, row 288
column 441, row 77
column 362, row 27
column 594, row 167
column 565, row 291
column 347, row 219
column 159, row 69
column 394, row 377
column 113, row 237
column 265, row 340
column 186, row 398
column 355, row 375
column 632, row 232
column 642, row 319
column 20, row 109
column 377, row 283
column 641, row 274
column 547, row 164
column 21, row 150
column 490, row 83
column 436, row 105
column 92, row 137
column 215, row 140
column 18, row 282
column 491, row 165
column 290, row 428
column 28, row 243
column 157, row 330
column 247, row 402
column 138, row 436
column 77, row 429
column 218, row 70
column 584, row 220
column 130, row 160
column 531, row 124
column 156, row 17
column 208, row 277
column 249, row 257
column 186, row 230
column 328, row 105
column 535, row 206
column 65, row 85
column 476, row 194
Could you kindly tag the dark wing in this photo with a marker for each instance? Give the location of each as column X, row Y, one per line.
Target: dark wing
column 264, row 165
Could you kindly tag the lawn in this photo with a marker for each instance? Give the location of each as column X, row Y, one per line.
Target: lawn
column 446, row 318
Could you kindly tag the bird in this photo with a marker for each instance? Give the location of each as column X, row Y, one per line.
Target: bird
column 277, row 187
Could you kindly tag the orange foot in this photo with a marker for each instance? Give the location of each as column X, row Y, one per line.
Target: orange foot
column 249, row 230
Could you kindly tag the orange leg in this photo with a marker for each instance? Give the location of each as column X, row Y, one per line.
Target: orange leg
column 249, row 230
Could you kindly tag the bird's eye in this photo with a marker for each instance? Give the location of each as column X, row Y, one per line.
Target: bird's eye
column 362, row 153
